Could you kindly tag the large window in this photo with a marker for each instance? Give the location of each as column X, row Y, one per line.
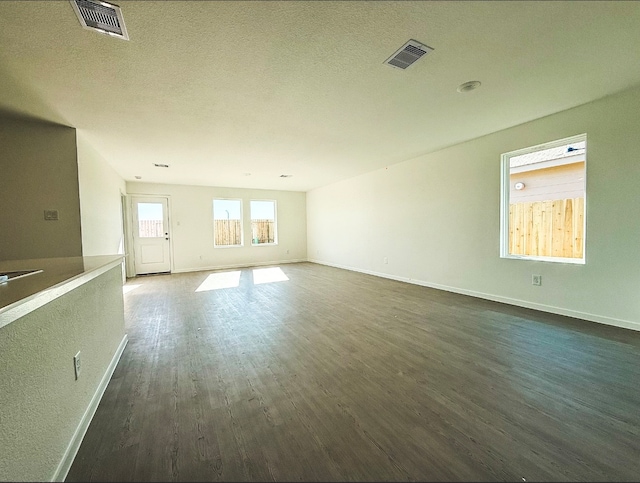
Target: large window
column 263, row 222
column 227, row 223
column 543, row 201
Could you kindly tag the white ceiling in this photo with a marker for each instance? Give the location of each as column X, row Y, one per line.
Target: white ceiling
column 220, row 89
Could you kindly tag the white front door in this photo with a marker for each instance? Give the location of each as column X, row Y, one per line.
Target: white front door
column 151, row 235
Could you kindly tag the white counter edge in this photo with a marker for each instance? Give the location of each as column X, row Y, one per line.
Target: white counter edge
column 22, row 307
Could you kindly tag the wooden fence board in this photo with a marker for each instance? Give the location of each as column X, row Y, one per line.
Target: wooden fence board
column 578, row 231
column 528, row 228
column 520, row 228
column 547, row 215
column 567, row 235
column 537, row 232
column 557, row 228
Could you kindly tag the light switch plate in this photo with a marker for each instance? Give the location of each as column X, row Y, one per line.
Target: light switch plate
column 51, row 215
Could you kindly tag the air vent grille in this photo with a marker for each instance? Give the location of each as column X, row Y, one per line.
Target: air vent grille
column 101, row 17
column 408, row 54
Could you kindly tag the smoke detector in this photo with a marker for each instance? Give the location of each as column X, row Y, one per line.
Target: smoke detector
column 101, row 17
column 408, row 54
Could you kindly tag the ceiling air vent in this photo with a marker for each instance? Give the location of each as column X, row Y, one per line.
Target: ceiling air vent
column 100, row 16
column 408, row 54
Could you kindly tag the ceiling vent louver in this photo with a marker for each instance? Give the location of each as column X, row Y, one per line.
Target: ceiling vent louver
column 408, row 54
column 101, row 16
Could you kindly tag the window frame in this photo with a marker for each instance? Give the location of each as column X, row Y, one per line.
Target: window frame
column 505, row 194
column 213, row 218
column 275, row 223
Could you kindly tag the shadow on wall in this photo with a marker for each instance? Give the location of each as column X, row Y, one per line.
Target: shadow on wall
column 22, row 102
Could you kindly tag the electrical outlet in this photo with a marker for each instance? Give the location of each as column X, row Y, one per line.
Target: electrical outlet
column 76, row 364
column 385, row 260
column 536, row 279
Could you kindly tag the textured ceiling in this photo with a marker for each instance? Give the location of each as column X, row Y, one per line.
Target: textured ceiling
column 220, row 89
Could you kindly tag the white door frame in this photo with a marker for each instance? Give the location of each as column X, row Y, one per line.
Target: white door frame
column 130, row 218
column 124, row 243
column 128, row 238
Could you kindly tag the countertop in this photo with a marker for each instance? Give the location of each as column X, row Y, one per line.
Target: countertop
column 20, row 296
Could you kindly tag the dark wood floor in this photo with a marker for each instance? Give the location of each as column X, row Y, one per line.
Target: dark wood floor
column 339, row 376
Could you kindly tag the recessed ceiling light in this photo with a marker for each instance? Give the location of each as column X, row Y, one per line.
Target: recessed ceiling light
column 286, row 175
column 468, row 86
column 138, row 177
column 158, row 165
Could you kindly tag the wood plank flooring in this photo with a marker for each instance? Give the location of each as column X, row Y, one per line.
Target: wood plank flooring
column 339, row 376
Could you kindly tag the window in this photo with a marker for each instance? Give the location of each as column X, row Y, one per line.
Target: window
column 263, row 222
column 150, row 220
column 543, row 202
column 227, row 223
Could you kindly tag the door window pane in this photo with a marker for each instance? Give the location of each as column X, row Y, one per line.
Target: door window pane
column 150, row 220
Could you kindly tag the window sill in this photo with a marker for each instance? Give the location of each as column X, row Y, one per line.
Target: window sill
column 570, row 261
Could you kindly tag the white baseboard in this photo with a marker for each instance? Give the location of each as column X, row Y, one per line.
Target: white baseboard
column 602, row 319
column 74, row 445
column 240, row 265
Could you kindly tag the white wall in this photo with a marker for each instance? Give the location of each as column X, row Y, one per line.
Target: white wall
column 191, row 221
column 437, row 219
column 100, row 204
column 38, row 172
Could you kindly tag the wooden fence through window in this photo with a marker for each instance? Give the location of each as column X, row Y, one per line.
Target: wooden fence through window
column 553, row 228
column 229, row 232
column 150, row 229
column 263, row 231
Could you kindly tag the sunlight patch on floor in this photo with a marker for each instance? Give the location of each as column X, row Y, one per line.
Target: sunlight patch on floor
column 268, row 275
column 220, row 280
